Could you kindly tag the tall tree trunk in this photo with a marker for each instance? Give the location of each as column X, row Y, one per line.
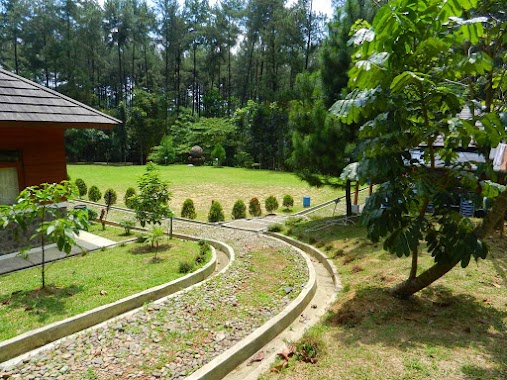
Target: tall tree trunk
column 309, row 36
column 484, row 229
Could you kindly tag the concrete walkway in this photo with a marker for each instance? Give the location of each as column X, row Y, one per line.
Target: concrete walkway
column 85, row 242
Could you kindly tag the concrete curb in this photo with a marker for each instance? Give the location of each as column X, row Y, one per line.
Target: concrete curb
column 241, row 351
column 314, row 252
column 36, row 338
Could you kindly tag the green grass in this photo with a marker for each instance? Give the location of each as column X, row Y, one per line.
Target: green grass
column 112, row 233
column 204, row 184
column 84, row 282
column 454, row 329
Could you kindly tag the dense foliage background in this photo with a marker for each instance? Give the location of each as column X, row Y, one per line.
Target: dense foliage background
column 169, row 69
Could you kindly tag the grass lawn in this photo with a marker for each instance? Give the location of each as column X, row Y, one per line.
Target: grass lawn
column 455, row 329
column 204, row 184
column 84, row 282
column 113, row 233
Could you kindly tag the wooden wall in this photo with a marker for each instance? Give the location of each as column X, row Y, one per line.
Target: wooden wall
column 42, row 153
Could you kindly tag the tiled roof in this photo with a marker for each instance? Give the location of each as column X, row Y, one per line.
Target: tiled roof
column 22, row 100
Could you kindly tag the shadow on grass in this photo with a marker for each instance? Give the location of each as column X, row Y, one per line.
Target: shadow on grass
column 499, row 257
column 435, row 318
column 41, row 302
column 327, row 229
column 146, row 248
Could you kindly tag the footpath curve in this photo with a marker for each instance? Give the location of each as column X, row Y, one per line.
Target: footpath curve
column 136, row 335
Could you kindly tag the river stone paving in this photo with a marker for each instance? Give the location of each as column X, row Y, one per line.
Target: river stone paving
column 175, row 337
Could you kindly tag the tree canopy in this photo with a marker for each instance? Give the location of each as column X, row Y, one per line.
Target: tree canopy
column 415, row 69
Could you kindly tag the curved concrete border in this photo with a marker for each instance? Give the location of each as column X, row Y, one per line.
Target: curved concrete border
column 241, row 351
column 36, row 338
column 314, row 252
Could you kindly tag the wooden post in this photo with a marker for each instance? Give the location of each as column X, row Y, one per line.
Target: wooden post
column 356, row 193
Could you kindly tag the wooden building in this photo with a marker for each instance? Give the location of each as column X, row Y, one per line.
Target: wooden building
column 33, row 119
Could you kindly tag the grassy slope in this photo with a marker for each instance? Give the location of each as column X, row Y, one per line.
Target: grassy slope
column 85, row 282
column 455, row 329
column 204, row 184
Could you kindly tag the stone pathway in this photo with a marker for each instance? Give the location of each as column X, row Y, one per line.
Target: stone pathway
column 172, row 338
column 257, row 224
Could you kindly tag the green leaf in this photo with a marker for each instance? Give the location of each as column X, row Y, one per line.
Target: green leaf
column 405, row 79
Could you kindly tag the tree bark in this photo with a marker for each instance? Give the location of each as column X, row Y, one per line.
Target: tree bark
column 484, row 229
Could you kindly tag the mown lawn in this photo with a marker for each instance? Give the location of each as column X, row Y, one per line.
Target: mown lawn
column 84, row 282
column 204, row 184
column 455, row 329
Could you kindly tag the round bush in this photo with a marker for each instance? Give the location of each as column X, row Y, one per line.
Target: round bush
column 216, row 212
column 271, row 203
column 288, row 201
column 94, row 194
column 128, row 194
column 188, row 209
column 254, row 207
column 110, row 197
column 81, row 187
column 239, row 210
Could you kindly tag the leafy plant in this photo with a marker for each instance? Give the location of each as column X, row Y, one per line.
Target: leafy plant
column 404, row 94
column 271, row 203
column 216, row 212
column 35, row 206
column 127, row 225
column 154, row 237
column 185, row 267
column 254, row 207
column 188, row 209
column 218, row 154
column 288, row 201
column 129, row 194
column 81, row 186
column 150, row 204
column 239, row 210
column 94, row 194
column 165, row 153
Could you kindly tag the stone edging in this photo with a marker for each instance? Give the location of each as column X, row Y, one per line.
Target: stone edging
column 314, row 252
column 241, row 351
column 36, row 338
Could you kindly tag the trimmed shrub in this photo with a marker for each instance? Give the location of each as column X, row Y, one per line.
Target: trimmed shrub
column 81, row 187
column 239, row 210
column 128, row 194
column 288, row 201
column 271, row 203
column 254, row 207
column 110, row 197
column 216, row 212
column 94, row 194
column 188, row 209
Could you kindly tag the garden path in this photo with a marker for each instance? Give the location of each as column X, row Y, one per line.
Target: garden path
column 172, row 338
column 85, row 242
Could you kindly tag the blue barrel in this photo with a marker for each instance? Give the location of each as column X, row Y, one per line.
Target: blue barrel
column 466, row 208
column 306, row 201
